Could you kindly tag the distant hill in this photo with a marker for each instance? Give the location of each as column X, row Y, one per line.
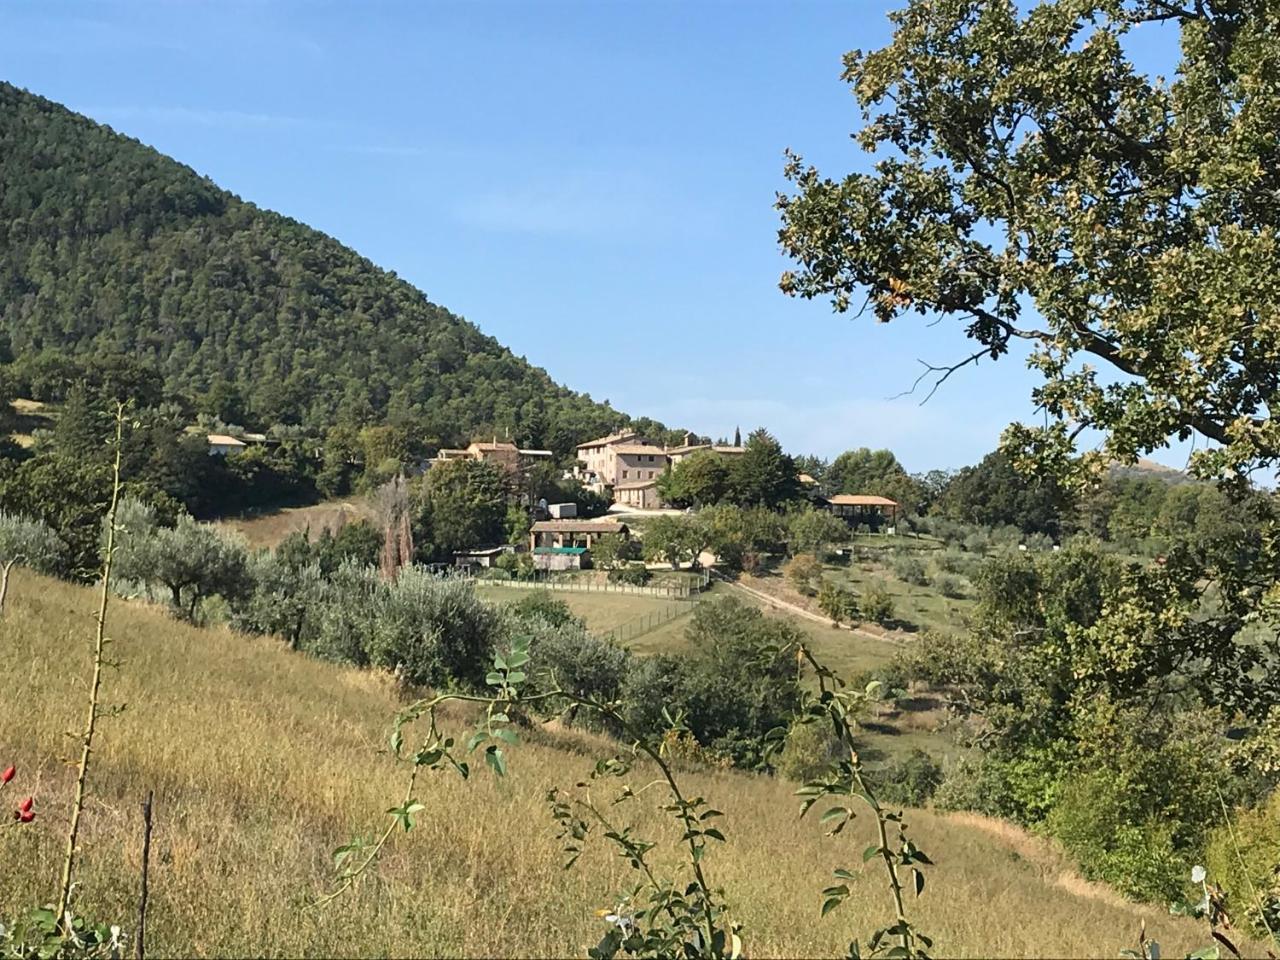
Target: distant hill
column 1149, row 469
column 107, row 245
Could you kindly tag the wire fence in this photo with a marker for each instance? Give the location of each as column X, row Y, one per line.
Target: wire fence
column 670, row 591
column 648, row 622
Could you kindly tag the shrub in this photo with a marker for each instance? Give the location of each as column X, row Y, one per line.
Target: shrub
column 565, row 655
column 809, row 751
column 909, row 569
column 804, row 572
column 1093, row 820
column 949, row 585
column 541, row 605
column 32, row 543
column 345, row 615
column 876, row 604
column 1244, row 859
column 910, row 781
column 284, row 600
column 433, row 630
column 837, row 603
column 636, row 574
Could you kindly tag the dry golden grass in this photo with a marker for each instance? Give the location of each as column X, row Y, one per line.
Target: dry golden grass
column 268, row 529
column 263, row 761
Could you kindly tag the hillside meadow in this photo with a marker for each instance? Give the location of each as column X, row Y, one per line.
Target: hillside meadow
column 262, row 761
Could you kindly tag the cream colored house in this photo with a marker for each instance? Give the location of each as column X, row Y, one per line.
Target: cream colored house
column 641, row 494
column 504, row 454
column 595, row 459
column 619, row 460
column 220, row 445
column 676, row 454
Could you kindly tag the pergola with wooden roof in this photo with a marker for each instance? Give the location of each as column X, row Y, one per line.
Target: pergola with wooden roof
column 857, row 507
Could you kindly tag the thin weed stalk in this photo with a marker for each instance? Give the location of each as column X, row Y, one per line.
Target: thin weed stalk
column 100, row 643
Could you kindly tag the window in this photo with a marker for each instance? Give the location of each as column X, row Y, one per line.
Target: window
column 650, row 474
column 624, row 474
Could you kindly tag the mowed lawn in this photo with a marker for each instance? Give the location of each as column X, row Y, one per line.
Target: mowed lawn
column 263, row 760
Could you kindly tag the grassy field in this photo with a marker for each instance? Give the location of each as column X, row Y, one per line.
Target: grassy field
column 32, row 416
column 268, row 528
column 917, row 607
column 263, row 761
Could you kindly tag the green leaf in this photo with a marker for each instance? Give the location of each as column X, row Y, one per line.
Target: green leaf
column 507, row 736
column 493, row 756
column 919, row 880
column 493, row 679
column 835, row 813
column 829, row 905
column 871, row 851
column 843, row 874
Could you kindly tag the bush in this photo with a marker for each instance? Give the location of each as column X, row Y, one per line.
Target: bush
column 949, row 585
column 804, row 572
column 1092, row 819
column 540, row 605
column 837, row 603
column 345, row 615
column 876, row 604
column 636, row 574
column 808, row 753
column 32, row 543
column 565, row 655
column 1244, row 860
column 909, row 569
column 284, row 599
column 433, row 631
column 910, row 781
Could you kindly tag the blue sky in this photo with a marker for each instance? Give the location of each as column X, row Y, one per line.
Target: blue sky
column 589, row 182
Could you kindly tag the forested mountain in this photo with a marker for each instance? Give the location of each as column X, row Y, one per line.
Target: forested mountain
column 108, row 246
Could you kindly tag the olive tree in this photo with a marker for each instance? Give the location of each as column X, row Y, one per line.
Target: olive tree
column 190, row 561
column 29, row 542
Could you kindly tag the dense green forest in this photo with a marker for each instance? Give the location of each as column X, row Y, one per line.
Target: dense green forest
column 111, row 247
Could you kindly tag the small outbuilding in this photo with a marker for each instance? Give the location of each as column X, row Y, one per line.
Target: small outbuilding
column 561, row 558
column 479, row 557
column 855, row 508
column 573, row 533
column 221, row 444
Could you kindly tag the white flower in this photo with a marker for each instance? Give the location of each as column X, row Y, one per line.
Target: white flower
column 1198, row 874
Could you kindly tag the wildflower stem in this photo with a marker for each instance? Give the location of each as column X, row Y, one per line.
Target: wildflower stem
column 95, row 687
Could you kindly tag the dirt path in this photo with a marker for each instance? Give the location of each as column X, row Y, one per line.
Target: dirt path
column 801, row 611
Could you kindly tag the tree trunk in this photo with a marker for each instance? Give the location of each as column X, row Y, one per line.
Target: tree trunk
column 4, row 582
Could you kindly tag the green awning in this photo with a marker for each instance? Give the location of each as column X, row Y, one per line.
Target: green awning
column 569, row 551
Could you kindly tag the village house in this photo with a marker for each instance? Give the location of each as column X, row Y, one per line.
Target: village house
column 621, row 460
column 676, row 454
column 505, row 454
column 221, row 444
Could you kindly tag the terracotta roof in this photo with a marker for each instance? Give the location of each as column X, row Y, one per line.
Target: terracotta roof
column 493, row 446
column 807, row 480
column 609, row 440
column 729, row 449
column 862, row 500
column 636, row 485
column 221, row 439
column 638, row 448
column 578, row 526
column 689, row 448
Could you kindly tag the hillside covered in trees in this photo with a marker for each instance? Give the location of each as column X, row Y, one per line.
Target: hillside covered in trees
column 108, row 246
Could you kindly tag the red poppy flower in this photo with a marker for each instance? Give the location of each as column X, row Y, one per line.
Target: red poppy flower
column 9, row 771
